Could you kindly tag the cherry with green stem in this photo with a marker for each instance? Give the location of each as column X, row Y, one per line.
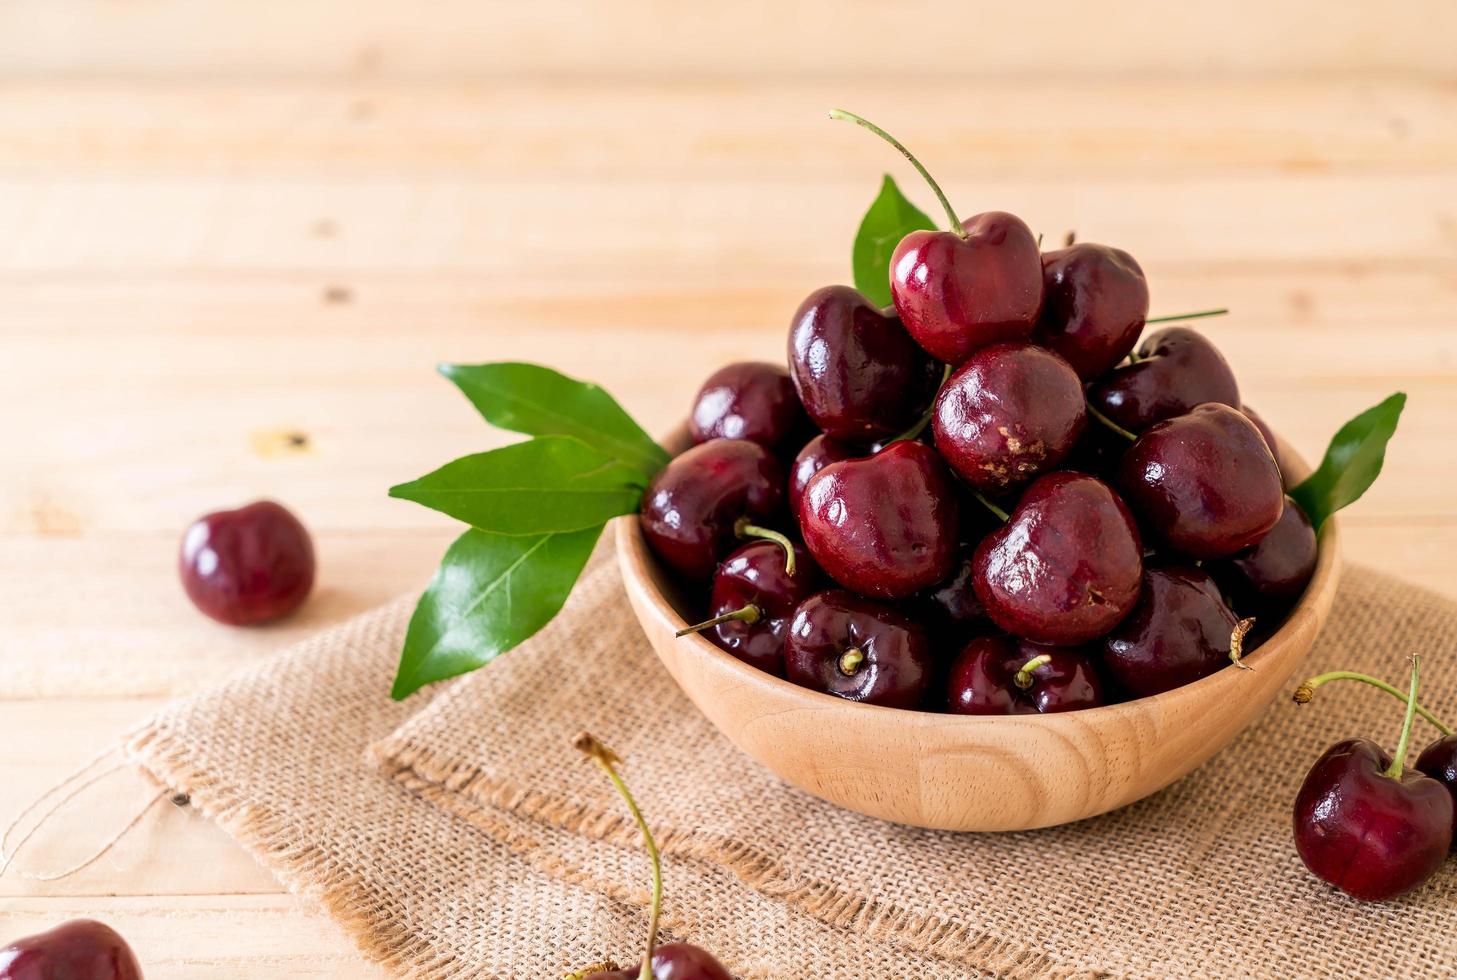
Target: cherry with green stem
column 680, row 961
column 960, row 290
column 1364, row 821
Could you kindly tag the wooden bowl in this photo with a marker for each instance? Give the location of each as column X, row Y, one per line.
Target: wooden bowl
column 960, row 772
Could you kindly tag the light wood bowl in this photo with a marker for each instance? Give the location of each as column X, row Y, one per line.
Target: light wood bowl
column 960, row 772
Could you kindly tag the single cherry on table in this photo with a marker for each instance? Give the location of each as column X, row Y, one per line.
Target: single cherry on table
column 859, row 374
column 749, row 400
column 1176, row 370
column 753, row 599
column 1094, row 307
column 1008, row 414
column 858, row 649
column 1179, row 631
column 1001, row 675
column 1066, row 566
column 82, row 949
column 710, row 497
column 886, row 525
column 1204, row 483
column 248, row 565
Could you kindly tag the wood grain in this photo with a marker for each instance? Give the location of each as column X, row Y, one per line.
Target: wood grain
column 226, row 221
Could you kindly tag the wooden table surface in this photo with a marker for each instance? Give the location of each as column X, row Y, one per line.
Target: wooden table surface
column 226, row 222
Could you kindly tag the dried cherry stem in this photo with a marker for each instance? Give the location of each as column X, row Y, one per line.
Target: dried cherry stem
column 1237, row 642
column 1070, row 239
column 1188, row 316
column 1000, row 514
column 745, row 528
column 935, row 187
column 1306, row 691
column 1023, row 677
column 914, row 432
column 750, row 614
column 851, row 660
column 606, row 966
column 1398, row 758
column 609, row 761
column 1110, row 423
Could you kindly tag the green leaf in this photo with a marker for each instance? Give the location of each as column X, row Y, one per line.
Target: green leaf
column 891, row 217
column 538, row 401
column 491, row 592
column 1352, row 461
column 544, row 485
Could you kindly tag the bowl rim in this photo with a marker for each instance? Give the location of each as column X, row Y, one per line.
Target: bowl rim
column 636, row 562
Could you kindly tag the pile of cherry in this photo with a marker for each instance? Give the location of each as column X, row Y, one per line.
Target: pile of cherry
column 989, row 498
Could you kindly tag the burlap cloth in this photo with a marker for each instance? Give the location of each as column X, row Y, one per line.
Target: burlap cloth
column 491, row 850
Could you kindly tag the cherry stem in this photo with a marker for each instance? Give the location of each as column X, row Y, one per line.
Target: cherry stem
column 1398, row 758
column 1023, row 677
column 1111, row 424
column 1070, row 240
column 935, row 187
column 750, row 614
column 851, row 660
column 745, row 528
column 1188, row 316
column 608, row 760
column 1001, row 515
column 1305, row 692
column 1237, row 642
column 914, row 432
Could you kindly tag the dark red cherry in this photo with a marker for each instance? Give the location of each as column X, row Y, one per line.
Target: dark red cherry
column 1372, row 835
column 1179, row 631
column 753, row 599
column 1268, row 433
column 1439, row 760
column 818, row 453
column 674, row 961
column 957, row 295
column 885, row 525
column 858, row 649
column 77, row 950
column 1066, row 566
column 691, row 509
column 950, row 610
column 859, row 374
column 1269, row 576
column 1095, row 300
column 248, row 565
column 749, row 400
column 988, row 678
column 1011, row 412
column 1177, row 369
column 1204, row 483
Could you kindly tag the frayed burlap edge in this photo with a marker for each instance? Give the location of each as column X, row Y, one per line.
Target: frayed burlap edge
column 469, row 793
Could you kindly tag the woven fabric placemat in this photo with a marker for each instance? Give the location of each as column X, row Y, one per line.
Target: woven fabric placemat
column 276, row 755
column 1199, row 880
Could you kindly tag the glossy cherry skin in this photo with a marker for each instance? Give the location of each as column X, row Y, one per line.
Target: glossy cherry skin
column 950, row 610
column 1269, row 576
column 78, row 950
column 754, row 575
column 1066, row 567
column 1439, row 760
column 1095, row 301
column 1177, row 369
column 1179, row 631
column 896, row 666
column 982, row 679
column 957, row 295
column 1204, row 483
column 859, row 375
column 1268, row 433
column 749, row 400
column 1011, row 412
column 248, row 565
column 674, row 961
column 818, row 453
column 1371, row 836
column 691, row 506
column 886, row 525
